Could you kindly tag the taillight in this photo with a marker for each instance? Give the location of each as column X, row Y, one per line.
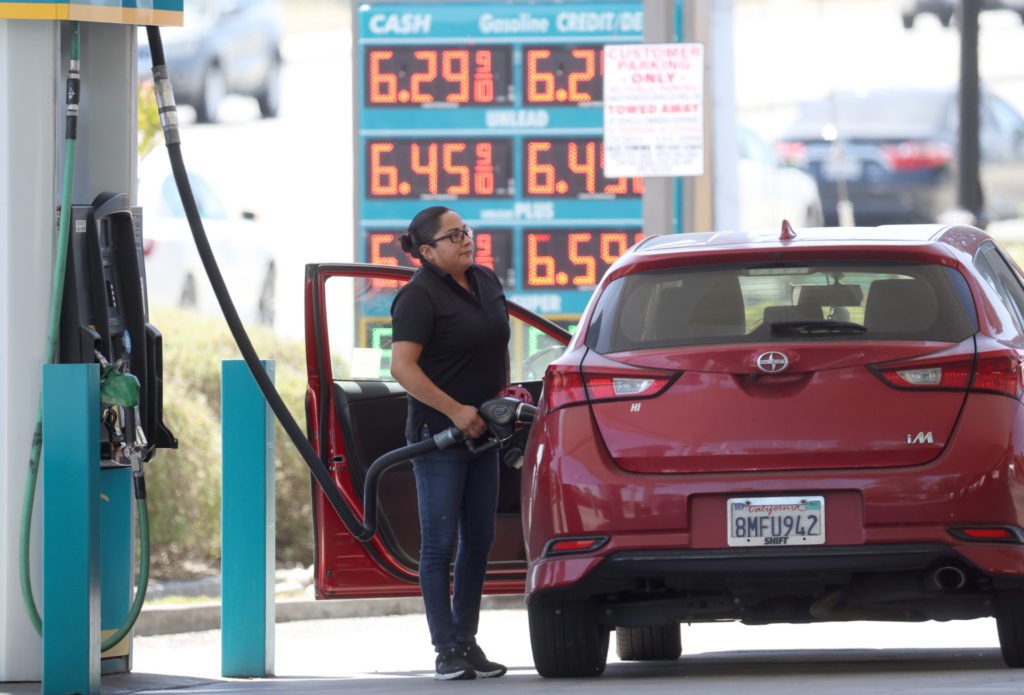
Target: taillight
column 148, row 246
column 566, row 385
column 990, row 534
column 1001, row 374
column 994, row 373
column 568, row 546
column 911, row 156
column 794, row 153
column 603, row 387
column 563, row 385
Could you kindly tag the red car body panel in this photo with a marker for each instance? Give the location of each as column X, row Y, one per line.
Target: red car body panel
column 648, row 463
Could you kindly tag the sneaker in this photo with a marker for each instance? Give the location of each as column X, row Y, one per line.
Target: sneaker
column 481, row 666
column 451, row 665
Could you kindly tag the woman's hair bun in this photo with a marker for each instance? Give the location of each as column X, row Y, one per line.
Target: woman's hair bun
column 406, row 241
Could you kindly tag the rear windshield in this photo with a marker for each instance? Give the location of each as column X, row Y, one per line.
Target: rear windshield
column 827, row 302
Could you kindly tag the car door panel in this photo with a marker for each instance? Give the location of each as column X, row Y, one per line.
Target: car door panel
column 356, row 413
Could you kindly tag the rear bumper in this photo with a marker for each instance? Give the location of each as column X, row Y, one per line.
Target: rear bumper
column 910, row 582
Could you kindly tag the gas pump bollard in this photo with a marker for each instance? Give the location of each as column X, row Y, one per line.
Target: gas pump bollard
column 71, row 528
column 247, row 524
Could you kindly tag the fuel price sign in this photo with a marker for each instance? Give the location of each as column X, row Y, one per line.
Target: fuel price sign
column 496, row 111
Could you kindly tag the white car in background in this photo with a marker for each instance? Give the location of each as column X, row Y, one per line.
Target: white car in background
column 174, row 272
column 770, row 190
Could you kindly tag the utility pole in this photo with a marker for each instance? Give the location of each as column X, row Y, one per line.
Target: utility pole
column 968, row 155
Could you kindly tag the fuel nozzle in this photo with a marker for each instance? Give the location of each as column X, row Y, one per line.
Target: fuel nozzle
column 503, row 414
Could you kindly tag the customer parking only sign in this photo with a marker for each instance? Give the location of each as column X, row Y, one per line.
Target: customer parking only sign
column 654, row 110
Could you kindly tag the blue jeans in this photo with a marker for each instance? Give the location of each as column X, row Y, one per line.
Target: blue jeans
column 457, row 492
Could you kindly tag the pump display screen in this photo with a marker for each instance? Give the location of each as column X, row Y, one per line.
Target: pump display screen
column 560, row 258
column 495, row 110
column 417, row 76
column 424, row 167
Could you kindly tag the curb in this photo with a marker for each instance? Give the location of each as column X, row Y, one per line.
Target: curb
column 167, row 620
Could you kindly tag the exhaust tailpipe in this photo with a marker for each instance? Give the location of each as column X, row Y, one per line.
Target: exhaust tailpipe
column 949, row 578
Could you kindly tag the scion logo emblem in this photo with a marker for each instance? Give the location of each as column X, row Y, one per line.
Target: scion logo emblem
column 772, row 362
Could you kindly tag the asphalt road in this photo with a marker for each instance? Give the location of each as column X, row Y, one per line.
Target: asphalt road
column 390, row 654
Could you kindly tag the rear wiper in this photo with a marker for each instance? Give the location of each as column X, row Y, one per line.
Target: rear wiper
column 816, row 327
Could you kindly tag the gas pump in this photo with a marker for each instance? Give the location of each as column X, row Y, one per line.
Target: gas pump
column 104, row 318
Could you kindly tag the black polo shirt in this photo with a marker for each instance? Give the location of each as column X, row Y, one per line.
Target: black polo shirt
column 464, row 337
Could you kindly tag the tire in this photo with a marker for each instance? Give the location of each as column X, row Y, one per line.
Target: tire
column 267, row 295
column 567, row 639
column 269, row 97
column 946, row 18
column 657, row 643
column 1010, row 624
column 908, row 21
column 213, row 92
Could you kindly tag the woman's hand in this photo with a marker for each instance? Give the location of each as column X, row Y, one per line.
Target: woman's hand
column 468, row 420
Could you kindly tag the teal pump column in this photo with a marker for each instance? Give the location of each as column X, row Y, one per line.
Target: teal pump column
column 247, row 524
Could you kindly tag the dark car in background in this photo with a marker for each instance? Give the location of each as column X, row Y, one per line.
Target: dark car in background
column 226, row 47
column 946, row 10
column 892, row 153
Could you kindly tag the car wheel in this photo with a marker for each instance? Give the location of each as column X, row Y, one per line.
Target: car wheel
column 1010, row 624
column 188, row 298
column 269, row 97
column 657, row 643
column 567, row 639
column 214, row 89
column 908, row 21
column 267, row 292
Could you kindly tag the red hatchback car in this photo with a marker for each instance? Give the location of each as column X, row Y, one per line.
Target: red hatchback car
column 819, row 426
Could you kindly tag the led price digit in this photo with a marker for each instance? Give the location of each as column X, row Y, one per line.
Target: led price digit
column 572, row 167
column 563, row 75
column 406, row 76
column 558, row 259
column 423, row 167
column 492, row 248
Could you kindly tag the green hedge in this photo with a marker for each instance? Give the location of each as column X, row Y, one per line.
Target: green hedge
column 183, row 485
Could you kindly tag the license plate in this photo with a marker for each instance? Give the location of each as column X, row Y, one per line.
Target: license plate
column 776, row 521
column 845, row 169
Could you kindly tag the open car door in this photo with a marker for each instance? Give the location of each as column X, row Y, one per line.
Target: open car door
column 355, row 412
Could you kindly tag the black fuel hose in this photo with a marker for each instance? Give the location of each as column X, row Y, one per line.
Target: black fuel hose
column 442, row 440
column 172, row 139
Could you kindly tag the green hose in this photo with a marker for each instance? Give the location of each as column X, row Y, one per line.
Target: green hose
column 140, row 594
column 56, row 298
column 57, row 295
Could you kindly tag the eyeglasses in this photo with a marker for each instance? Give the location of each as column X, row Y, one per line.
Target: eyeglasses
column 456, row 237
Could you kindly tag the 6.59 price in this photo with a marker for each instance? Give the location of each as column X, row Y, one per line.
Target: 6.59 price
column 566, row 259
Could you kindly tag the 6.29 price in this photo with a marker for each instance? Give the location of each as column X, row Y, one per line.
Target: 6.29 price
column 566, row 259
column 404, row 76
